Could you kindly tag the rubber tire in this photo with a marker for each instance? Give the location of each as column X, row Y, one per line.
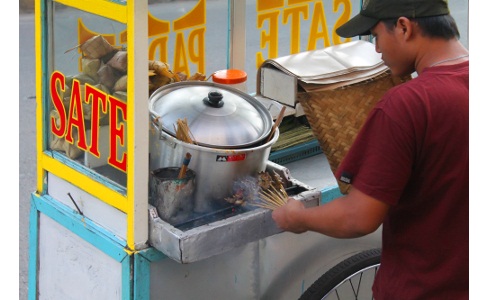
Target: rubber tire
column 336, row 275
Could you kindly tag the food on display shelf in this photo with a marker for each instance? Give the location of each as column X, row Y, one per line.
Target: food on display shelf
column 121, row 84
column 108, row 76
column 90, row 67
column 160, row 74
column 104, row 67
column 96, row 47
column 198, row 77
column 60, row 144
column 119, row 61
column 102, row 63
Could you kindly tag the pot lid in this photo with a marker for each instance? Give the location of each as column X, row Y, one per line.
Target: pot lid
column 217, row 116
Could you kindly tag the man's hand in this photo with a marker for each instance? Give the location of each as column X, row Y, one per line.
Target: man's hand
column 350, row 216
column 286, row 216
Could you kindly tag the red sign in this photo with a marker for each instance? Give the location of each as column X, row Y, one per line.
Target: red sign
column 230, row 158
column 100, row 103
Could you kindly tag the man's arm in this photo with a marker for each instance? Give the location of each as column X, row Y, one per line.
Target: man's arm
column 353, row 215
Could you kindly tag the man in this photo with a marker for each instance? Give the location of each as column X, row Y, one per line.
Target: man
column 409, row 165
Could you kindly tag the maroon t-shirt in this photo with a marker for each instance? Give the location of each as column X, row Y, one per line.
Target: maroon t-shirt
column 413, row 154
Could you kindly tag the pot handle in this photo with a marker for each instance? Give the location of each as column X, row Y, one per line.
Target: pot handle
column 155, row 121
column 275, row 108
column 272, row 106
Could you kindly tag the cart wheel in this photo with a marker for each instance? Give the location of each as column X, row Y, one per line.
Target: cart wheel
column 350, row 279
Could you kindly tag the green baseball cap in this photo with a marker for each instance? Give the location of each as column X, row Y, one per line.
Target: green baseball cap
column 372, row 11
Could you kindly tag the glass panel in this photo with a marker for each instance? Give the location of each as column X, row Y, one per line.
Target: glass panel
column 86, row 109
column 190, row 36
column 284, row 27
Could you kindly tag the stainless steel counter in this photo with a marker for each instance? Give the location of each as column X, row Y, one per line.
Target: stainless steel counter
column 223, row 231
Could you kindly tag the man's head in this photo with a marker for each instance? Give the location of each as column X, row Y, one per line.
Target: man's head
column 374, row 11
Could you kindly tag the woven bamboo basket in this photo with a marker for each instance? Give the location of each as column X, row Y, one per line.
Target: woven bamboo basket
column 337, row 115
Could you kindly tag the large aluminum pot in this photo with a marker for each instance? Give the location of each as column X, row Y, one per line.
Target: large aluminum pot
column 218, row 116
column 216, row 169
column 243, row 151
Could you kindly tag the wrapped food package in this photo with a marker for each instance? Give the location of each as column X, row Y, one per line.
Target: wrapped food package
column 96, row 47
column 108, row 76
column 121, row 84
column 120, row 95
column 119, row 61
column 90, row 67
column 60, row 144
column 71, row 150
column 197, row 76
column 83, row 79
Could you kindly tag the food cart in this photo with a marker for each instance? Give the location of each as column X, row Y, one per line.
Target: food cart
column 94, row 233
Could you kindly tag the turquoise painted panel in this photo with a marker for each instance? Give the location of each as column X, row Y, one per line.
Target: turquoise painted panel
column 83, row 228
column 141, row 270
column 152, row 254
column 33, row 242
column 330, row 193
column 127, row 281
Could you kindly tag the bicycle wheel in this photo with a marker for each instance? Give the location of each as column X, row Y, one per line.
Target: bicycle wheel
column 350, row 279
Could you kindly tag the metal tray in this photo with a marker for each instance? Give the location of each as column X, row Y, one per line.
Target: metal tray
column 226, row 229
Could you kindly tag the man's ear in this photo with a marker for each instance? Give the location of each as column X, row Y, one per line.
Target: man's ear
column 405, row 27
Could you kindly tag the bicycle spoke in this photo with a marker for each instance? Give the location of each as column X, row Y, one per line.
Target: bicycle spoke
column 356, row 273
column 337, row 294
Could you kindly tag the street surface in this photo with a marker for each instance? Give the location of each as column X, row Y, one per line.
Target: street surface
column 27, row 151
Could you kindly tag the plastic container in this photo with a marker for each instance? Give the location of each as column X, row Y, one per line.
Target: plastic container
column 232, row 77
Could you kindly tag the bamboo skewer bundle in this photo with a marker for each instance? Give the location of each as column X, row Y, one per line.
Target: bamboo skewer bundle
column 266, row 192
column 272, row 193
column 183, row 133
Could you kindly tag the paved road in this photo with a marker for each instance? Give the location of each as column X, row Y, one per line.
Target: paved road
column 27, row 153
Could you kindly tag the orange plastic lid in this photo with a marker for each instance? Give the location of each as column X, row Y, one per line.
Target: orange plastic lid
column 231, row 76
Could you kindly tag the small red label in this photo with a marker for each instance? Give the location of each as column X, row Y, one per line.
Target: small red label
column 228, row 158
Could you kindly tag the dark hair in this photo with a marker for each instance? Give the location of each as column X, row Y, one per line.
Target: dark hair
column 444, row 26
